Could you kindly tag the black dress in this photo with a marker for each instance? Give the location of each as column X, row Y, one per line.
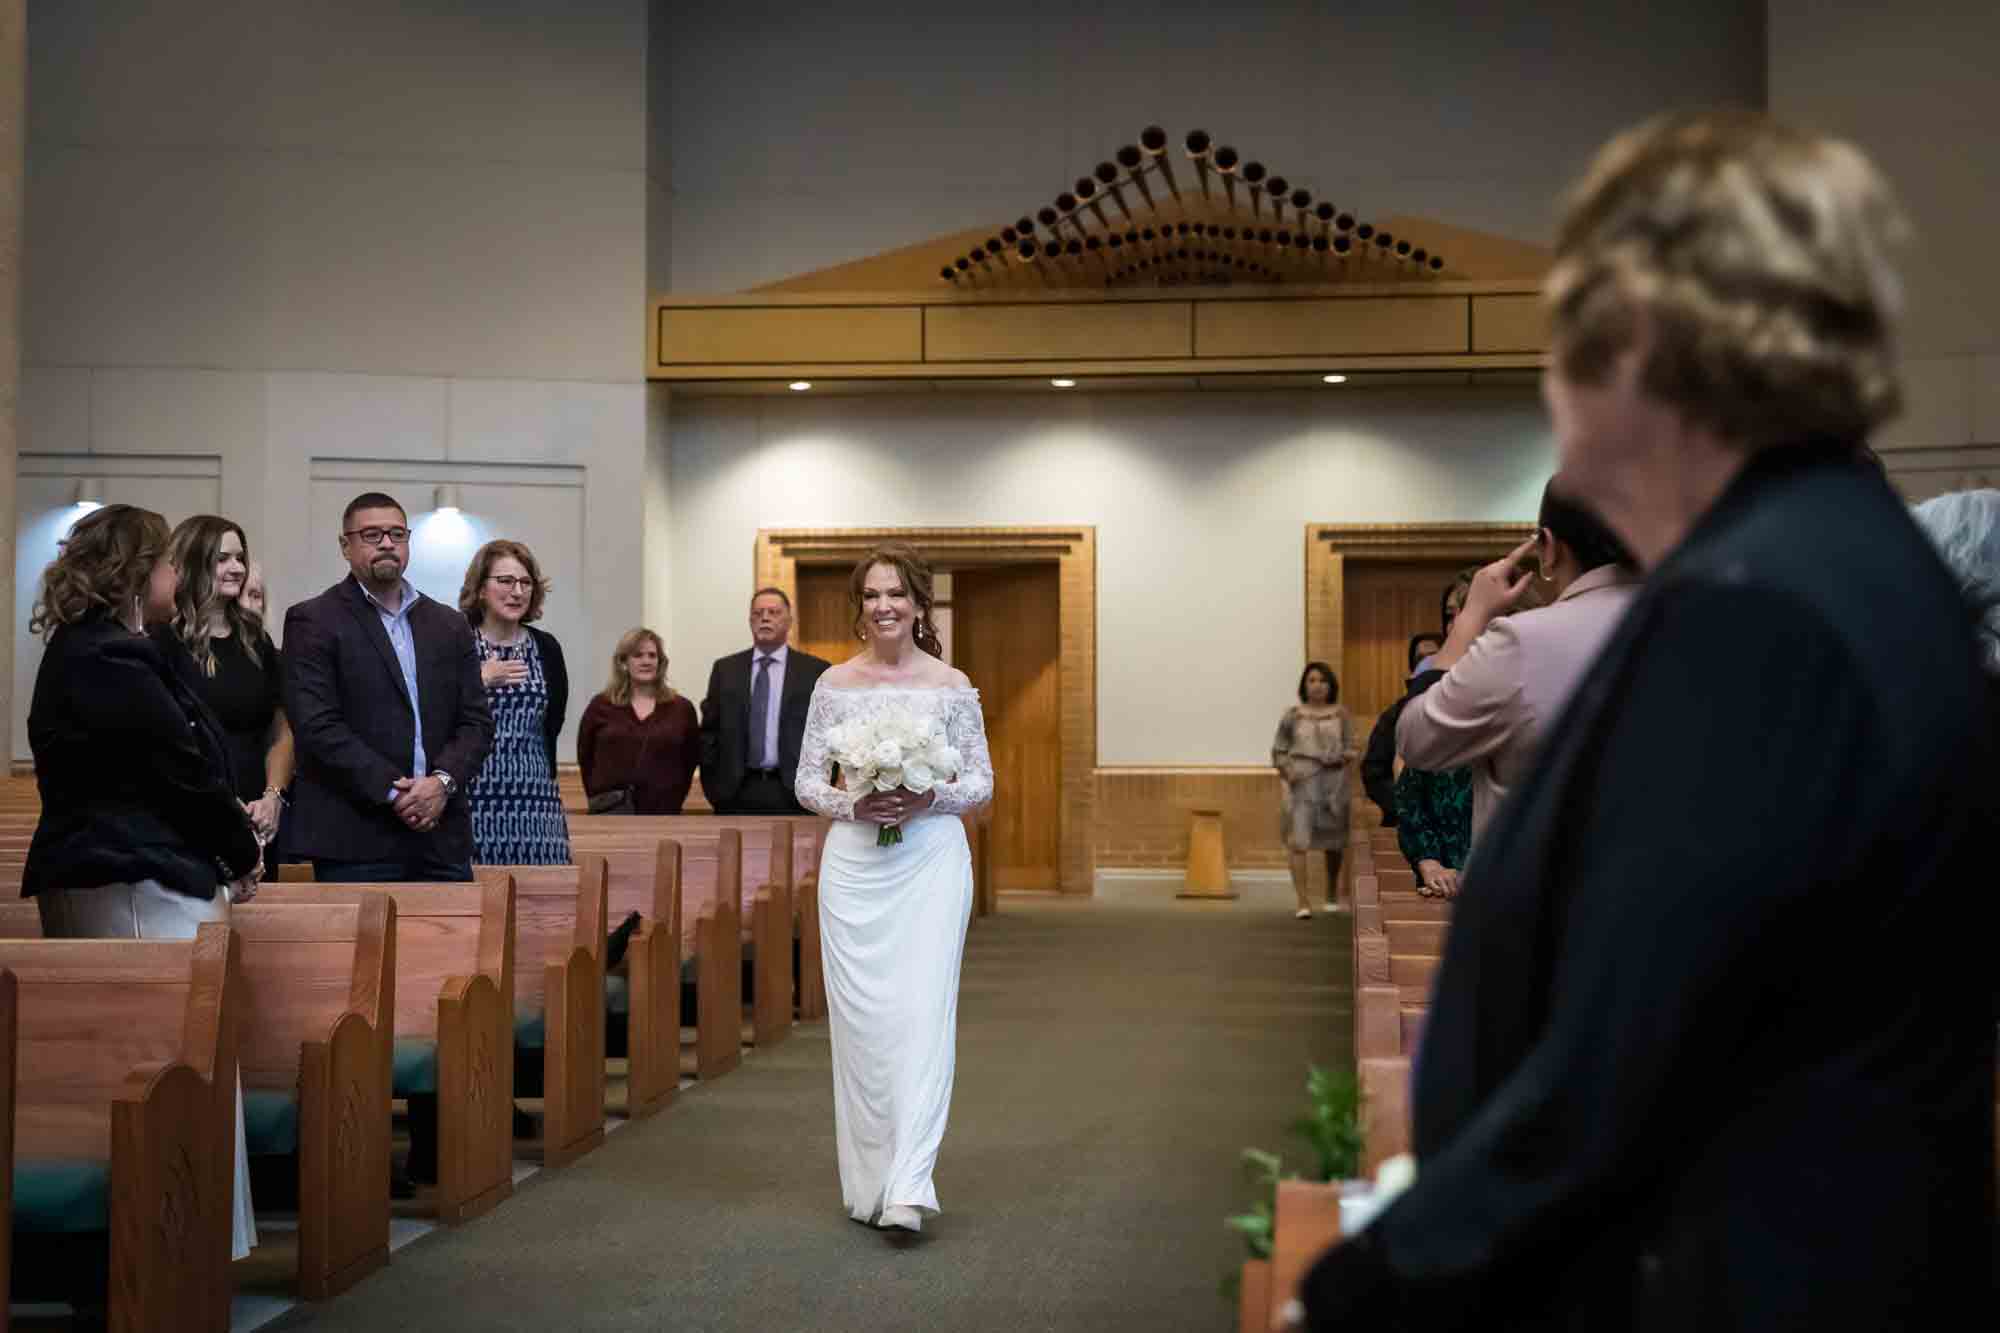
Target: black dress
column 245, row 696
column 1711, row 1046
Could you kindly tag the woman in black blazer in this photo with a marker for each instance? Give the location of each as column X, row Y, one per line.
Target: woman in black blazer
column 140, row 835
column 138, row 820
column 1711, row 1045
column 517, row 813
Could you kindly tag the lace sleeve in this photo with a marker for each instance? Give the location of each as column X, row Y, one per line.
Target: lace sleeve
column 974, row 786
column 815, row 790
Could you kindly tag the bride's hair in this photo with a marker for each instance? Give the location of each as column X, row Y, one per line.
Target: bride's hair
column 915, row 572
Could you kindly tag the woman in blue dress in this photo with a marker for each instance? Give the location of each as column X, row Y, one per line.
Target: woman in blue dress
column 517, row 812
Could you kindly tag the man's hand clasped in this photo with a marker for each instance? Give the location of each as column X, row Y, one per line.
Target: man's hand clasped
column 421, row 802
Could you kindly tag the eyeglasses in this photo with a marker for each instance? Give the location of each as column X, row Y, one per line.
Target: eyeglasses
column 511, row 583
column 374, row 536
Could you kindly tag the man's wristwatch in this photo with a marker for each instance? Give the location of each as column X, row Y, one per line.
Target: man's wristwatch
column 445, row 780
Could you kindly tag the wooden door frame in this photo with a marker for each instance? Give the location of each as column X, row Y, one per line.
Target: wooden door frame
column 1329, row 546
column 1073, row 550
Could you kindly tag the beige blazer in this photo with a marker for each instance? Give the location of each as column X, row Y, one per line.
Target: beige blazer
column 1493, row 707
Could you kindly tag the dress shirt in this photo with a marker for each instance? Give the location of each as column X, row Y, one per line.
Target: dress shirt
column 1491, row 710
column 769, row 757
column 396, row 624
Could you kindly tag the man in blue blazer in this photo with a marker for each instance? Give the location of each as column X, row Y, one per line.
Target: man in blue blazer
column 389, row 714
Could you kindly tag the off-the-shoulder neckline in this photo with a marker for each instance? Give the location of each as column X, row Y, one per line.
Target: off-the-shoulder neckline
column 897, row 689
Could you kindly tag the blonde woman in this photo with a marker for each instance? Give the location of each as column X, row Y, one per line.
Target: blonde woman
column 640, row 741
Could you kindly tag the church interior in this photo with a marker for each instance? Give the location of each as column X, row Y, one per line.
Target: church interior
column 1189, row 344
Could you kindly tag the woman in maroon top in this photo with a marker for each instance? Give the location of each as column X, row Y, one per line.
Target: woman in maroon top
column 639, row 734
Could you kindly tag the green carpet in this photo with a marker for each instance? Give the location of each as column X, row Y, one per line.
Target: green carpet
column 1112, row 1060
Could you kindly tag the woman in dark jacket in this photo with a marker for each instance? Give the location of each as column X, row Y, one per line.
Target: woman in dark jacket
column 517, row 813
column 1712, row 1045
column 140, row 835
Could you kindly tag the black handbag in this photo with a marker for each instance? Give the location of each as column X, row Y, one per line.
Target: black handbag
column 620, row 800
column 617, row 801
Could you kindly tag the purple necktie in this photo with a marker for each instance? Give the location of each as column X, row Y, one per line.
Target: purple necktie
column 760, row 713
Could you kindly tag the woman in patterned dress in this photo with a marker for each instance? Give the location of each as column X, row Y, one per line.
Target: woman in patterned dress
column 1310, row 754
column 517, row 812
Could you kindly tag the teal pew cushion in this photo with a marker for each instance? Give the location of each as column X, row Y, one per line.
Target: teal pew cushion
column 270, row 1122
column 414, row 1066
column 62, row 1194
column 617, row 995
column 531, row 1031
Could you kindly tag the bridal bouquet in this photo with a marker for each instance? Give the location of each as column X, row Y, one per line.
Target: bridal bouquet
column 898, row 748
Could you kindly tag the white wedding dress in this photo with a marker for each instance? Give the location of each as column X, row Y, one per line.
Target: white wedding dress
column 892, row 933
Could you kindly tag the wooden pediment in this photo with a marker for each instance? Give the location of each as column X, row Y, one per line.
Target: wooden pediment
column 1158, row 264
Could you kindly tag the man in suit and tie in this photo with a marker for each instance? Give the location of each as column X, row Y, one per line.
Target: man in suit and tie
column 754, row 717
column 389, row 714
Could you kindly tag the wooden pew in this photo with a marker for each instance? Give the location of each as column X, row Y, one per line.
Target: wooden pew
column 9, row 1027
column 316, row 1027
column 454, row 1022
column 646, row 875
column 769, row 864
column 318, row 1037
column 125, row 1118
column 559, row 943
column 711, row 889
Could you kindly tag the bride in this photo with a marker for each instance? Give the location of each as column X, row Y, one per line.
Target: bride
column 892, row 918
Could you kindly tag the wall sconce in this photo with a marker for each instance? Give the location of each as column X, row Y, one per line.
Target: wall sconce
column 446, row 499
column 89, row 493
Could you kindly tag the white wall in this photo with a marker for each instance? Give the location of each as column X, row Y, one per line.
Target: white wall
column 371, row 240
column 804, row 136
column 1200, row 503
column 1920, row 92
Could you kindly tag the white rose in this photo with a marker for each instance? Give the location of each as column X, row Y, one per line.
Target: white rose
column 918, row 777
column 885, row 753
column 888, row 779
column 945, row 759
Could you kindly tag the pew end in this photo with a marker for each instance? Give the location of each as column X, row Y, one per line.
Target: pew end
column 165, row 1127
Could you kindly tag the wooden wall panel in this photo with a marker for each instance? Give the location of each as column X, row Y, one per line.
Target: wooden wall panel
column 781, row 553
column 1386, row 601
column 1509, row 324
column 1361, row 326
column 1007, row 639
column 1040, row 332
column 1142, row 815
column 822, row 622
column 715, row 336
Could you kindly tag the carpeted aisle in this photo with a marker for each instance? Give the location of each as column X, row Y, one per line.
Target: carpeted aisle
column 1113, row 1059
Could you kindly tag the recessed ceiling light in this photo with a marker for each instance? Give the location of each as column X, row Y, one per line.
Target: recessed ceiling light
column 1063, row 384
column 800, row 386
column 1333, row 379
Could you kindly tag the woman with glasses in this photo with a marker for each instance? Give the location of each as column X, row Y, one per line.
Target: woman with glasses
column 517, row 813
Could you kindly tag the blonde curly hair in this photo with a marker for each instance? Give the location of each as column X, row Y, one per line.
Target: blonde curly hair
column 1758, row 254
column 103, row 567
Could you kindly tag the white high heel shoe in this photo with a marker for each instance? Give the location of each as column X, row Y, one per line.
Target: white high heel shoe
column 900, row 1217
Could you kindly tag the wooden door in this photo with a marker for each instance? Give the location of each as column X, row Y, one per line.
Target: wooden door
column 1007, row 638
column 1385, row 602
column 822, row 622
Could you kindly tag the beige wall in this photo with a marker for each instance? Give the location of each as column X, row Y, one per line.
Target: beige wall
column 1200, row 503
column 313, row 246
column 805, row 136
column 1919, row 89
